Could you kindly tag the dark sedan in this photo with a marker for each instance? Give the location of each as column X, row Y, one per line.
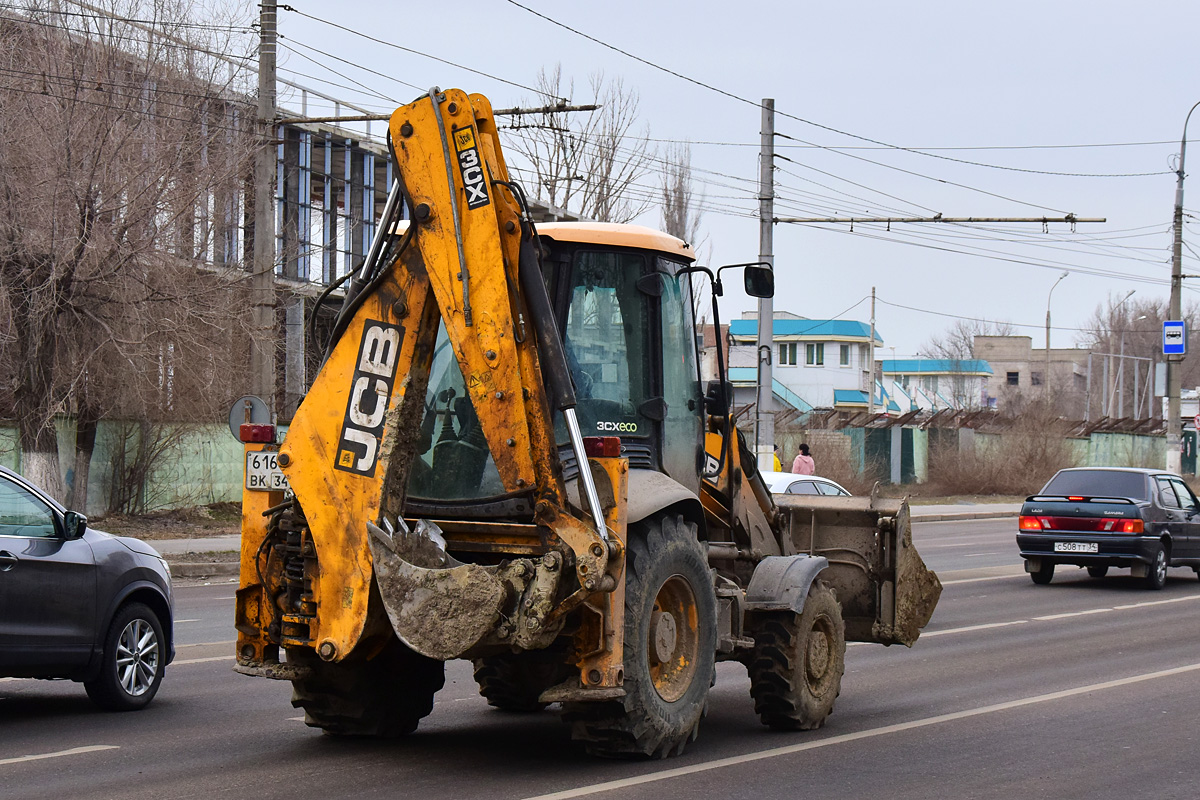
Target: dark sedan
column 1142, row 519
column 79, row 604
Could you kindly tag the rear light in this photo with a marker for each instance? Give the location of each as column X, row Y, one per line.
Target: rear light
column 1031, row 524
column 256, row 434
column 1075, row 499
column 1133, row 526
column 602, row 446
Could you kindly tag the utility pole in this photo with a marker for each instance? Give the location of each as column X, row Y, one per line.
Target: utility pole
column 871, row 362
column 765, row 402
column 262, row 280
column 1174, row 376
column 1046, row 374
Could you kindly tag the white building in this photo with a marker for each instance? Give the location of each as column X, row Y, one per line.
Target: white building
column 824, row 362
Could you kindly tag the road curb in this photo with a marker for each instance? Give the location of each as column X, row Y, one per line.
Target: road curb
column 204, row 569
column 964, row 516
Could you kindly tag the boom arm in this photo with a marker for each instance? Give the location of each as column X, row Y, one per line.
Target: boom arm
column 350, row 447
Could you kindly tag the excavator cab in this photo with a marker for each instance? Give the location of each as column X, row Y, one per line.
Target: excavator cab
column 625, row 317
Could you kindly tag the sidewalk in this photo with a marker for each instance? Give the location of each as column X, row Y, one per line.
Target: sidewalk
column 203, row 566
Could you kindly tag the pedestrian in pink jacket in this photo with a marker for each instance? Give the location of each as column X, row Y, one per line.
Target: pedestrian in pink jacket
column 804, row 464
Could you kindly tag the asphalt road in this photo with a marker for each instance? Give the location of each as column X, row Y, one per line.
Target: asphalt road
column 1081, row 689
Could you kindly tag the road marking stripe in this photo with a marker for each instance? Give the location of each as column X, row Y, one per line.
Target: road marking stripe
column 74, row 751
column 988, row 578
column 181, row 621
column 207, row 644
column 1125, row 607
column 970, row 628
column 200, row 660
column 722, row 763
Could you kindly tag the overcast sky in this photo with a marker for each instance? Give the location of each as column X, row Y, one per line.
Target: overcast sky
column 1033, row 87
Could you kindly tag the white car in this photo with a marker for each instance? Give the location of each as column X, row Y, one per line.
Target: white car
column 788, row 483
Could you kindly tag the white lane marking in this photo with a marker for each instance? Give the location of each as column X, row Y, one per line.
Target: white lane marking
column 181, row 621
column 295, row 719
column 956, row 544
column 207, row 644
column 1055, row 617
column 1125, row 607
column 970, row 628
column 776, row 752
column 74, row 751
column 200, row 660
column 988, row 578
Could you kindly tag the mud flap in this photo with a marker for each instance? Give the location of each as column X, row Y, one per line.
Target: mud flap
column 438, row 611
column 886, row 591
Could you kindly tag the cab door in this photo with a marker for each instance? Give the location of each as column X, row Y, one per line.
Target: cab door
column 47, row 587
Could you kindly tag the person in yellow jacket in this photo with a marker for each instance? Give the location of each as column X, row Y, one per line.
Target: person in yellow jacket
column 778, row 463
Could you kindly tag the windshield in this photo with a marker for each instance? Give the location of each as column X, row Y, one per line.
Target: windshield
column 1098, row 483
column 606, row 342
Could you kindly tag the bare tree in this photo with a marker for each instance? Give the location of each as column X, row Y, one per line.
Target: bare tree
column 957, row 342
column 120, row 202
column 1131, row 327
column 588, row 163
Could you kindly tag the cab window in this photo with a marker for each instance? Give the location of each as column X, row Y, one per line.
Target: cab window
column 23, row 514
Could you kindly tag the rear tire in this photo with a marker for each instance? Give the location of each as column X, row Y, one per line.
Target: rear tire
column 514, row 681
column 1043, row 575
column 1156, row 575
column 797, row 664
column 670, row 648
column 385, row 696
column 133, row 662
column 1098, row 572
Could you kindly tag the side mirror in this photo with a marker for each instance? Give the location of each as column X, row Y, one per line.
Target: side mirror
column 759, row 282
column 718, row 398
column 74, row 525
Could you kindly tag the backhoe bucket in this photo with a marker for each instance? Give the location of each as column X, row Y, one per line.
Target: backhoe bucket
column 440, row 610
column 886, row 591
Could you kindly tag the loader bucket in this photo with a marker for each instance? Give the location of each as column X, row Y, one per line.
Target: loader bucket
column 886, row 591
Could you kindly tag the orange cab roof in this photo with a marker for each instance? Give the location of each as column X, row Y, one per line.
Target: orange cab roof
column 617, row 235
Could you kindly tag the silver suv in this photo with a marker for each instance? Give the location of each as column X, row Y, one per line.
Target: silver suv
column 80, row 604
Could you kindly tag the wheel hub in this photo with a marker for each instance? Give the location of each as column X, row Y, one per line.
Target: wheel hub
column 673, row 639
column 665, row 634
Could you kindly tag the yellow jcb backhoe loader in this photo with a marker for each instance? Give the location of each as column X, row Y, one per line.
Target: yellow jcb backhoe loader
column 507, row 456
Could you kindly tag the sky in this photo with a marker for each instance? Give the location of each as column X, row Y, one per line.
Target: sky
column 1065, row 108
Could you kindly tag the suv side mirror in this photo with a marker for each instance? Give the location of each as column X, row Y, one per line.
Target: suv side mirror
column 759, row 282
column 74, row 525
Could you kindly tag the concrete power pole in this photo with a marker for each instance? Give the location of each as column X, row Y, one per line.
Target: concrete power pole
column 262, row 281
column 765, row 401
column 1174, row 373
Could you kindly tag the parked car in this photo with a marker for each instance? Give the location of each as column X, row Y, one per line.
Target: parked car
column 1142, row 519
column 80, row 604
column 789, row 483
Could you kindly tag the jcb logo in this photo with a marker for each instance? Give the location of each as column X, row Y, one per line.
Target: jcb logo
column 370, row 394
column 473, row 177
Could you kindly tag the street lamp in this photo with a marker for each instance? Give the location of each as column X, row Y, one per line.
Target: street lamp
column 1174, row 382
column 1046, row 376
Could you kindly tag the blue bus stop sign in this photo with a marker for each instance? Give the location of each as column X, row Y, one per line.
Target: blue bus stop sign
column 1174, row 339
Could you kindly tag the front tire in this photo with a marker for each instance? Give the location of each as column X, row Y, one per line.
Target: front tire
column 670, row 648
column 384, row 696
column 1156, row 575
column 797, row 664
column 133, row 661
column 514, row 681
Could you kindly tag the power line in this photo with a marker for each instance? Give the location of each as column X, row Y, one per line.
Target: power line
column 417, row 53
column 732, row 96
